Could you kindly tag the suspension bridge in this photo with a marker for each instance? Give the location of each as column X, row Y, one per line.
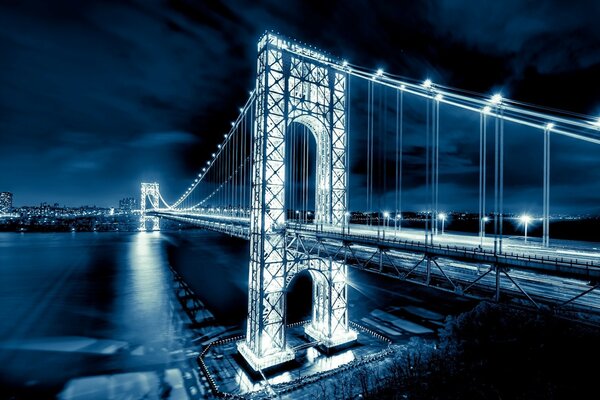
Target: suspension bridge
column 281, row 178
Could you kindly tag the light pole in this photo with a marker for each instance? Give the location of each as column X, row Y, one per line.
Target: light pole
column 442, row 217
column 482, row 223
column 386, row 220
column 525, row 219
column 347, row 220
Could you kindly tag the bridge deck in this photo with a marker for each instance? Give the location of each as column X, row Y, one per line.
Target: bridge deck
column 536, row 272
column 565, row 258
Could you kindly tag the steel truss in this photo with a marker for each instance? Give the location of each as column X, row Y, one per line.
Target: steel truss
column 427, row 271
column 294, row 84
column 150, row 192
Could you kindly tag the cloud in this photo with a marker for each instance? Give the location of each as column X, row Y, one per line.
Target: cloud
column 160, row 139
column 103, row 94
column 551, row 35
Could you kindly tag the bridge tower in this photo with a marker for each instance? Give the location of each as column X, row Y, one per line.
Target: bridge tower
column 294, row 84
column 151, row 192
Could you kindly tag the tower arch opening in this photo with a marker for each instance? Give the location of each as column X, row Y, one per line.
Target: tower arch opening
column 299, row 297
column 302, row 166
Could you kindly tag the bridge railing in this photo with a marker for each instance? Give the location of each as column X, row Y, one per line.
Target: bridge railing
column 450, row 250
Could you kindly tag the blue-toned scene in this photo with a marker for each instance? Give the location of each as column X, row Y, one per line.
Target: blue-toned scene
column 299, row 200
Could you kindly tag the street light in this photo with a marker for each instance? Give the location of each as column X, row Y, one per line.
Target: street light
column 346, row 222
column 386, row 215
column 496, row 99
column 398, row 222
column 442, row 217
column 482, row 223
column 525, row 219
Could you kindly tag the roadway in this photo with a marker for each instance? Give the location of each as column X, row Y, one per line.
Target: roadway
column 556, row 273
column 568, row 249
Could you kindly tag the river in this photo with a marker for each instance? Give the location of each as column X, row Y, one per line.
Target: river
column 83, row 304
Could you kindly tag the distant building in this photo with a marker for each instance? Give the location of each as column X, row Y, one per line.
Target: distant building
column 6, row 202
column 128, row 204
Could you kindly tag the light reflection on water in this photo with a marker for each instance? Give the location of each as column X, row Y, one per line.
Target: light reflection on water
column 72, row 304
column 143, row 305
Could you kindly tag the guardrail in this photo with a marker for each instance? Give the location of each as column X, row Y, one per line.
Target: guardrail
column 239, row 227
column 476, row 254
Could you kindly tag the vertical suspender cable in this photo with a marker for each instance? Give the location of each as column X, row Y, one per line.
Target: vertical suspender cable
column 437, row 163
column 496, row 184
column 347, row 144
column 305, row 171
column 397, row 153
column 427, row 188
column 400, row 154
column 501, row 183
column 384, row 150
column 369, row 85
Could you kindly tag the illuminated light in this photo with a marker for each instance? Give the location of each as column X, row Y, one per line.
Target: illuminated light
column 208, row 162
column 496, row 99
column 344, row 63
column 487, row 109
column 402, row 87
column 525, row 219
column 549, row 125
column 442, row 216
column 214, row 155
column 203, row 169
column 241, row 109
column 386, row 214
column 232, row 123
column 486, row 219
column 597, row 123
column 398, row 216
column 427, row 84
column 225, row 136
column 379, row 72
column 438, row 97
column 219, row 146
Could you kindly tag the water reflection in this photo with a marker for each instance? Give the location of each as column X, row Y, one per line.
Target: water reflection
column 144, row 302
column 80, row 304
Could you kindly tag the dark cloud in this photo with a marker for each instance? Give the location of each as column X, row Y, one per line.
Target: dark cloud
column 99, row 95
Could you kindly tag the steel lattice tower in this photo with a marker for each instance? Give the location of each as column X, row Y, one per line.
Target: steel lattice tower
column 294, row 84
column 151, row 192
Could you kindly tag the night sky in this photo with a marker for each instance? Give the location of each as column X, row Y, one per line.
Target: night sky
column 98, row 96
